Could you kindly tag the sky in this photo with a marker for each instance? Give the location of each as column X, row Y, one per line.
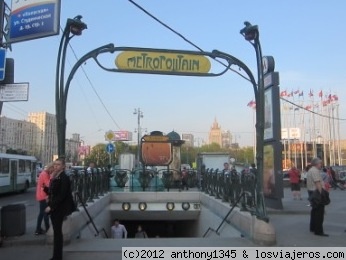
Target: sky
column 305, row 38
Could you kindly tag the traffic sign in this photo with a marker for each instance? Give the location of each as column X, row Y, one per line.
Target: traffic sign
column 109, row 136
column 2, row 63
column 14, row 92
column 110, row 148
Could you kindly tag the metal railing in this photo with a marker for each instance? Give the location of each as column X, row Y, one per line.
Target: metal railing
column 236, row 188
column 225, row 217
column 224, row 185
column 88, row 186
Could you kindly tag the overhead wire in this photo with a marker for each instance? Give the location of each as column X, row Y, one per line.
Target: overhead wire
column 313, row 112
column 200, row 49
column 183, row 37
column 93, row 88
column 15, row 109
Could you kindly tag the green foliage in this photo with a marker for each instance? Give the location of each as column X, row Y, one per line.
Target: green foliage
column 99, row 155
column 242, row 155
column 101, row 158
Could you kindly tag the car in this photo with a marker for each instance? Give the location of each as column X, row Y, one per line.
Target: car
column 72, row 169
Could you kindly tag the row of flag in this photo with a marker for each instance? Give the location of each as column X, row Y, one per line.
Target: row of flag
column 311, row 94
column 329, row 98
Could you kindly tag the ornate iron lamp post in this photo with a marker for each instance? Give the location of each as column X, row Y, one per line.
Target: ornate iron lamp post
column 73, row 27
column 251, row 34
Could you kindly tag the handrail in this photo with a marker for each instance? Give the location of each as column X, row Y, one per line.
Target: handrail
column 224, row 219
column 90, row 218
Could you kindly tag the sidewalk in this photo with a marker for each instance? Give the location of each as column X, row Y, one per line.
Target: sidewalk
column 291, row 224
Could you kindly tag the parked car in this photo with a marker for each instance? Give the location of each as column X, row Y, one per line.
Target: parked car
column 73, row 169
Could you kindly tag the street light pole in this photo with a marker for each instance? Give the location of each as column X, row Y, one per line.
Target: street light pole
column 73, row 27
column 139, row 114
column 251, row 34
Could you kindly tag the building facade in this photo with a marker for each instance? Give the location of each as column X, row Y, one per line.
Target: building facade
column 45, row 137
column 215, row 134
column 189, row 140
column 72, row 149
column 37, row 136
column 17, row 135
column 226, row 139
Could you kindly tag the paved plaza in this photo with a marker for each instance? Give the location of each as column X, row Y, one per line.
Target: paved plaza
column 291, row 224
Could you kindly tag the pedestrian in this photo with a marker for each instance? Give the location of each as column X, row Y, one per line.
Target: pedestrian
column 294, row 175
column 118, row 230
column 325, row 179
column 42, row 198
column 253, row 169
column 184, row 179
column 140, row 232
column 60, row 204
column 315, row 182
column 91, row 168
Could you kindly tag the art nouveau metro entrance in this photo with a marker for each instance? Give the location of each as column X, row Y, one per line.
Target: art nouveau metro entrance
column 182, row 63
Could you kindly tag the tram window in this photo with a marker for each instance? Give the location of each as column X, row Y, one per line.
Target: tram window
column 21, row 165
column 4, row 165
column 27, row 166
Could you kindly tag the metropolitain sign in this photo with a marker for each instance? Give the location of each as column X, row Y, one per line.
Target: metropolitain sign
column 154, row 61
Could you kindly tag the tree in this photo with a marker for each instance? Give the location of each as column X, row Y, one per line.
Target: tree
column 99, row 156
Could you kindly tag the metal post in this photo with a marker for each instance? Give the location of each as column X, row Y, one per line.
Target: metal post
column 251, row 34
column 73, row 27
column 139, row 114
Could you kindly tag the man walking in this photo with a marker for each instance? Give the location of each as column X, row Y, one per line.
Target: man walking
column 315, row 182
column 118, row 230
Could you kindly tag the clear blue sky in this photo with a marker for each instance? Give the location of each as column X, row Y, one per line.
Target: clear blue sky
column 306, row 38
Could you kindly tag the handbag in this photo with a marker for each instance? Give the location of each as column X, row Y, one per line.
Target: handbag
column 325, row 200
column 320, row 198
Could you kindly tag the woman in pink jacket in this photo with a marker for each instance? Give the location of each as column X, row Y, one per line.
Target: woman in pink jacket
column 41, row 197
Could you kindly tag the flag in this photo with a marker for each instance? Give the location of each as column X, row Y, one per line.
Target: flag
column 283, row 93
column 320, row 94
column 311, row 93
column 308, row 107
column 330, row 97
column 297, row 108
column 252, row 104
column 335, row 98
column 301, row 94
column 326, row 103
column 296, row 92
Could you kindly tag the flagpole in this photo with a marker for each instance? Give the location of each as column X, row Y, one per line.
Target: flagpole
column 324, row 127
column 301, row 140
column 305, row 147
column 254, row 136
column 330, row 135
column 334, row 133
column 339, row 142
column 283, row 112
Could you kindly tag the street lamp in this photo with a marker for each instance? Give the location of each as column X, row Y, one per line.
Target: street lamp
column 139, row 114
column 73, row 27
column 251, row 34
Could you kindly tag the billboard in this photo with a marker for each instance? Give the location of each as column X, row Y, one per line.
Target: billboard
column 292, row 133
column 14, row 92
column 32, row 19
column 156, row 153
column 268, row 115
column 112, row 136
